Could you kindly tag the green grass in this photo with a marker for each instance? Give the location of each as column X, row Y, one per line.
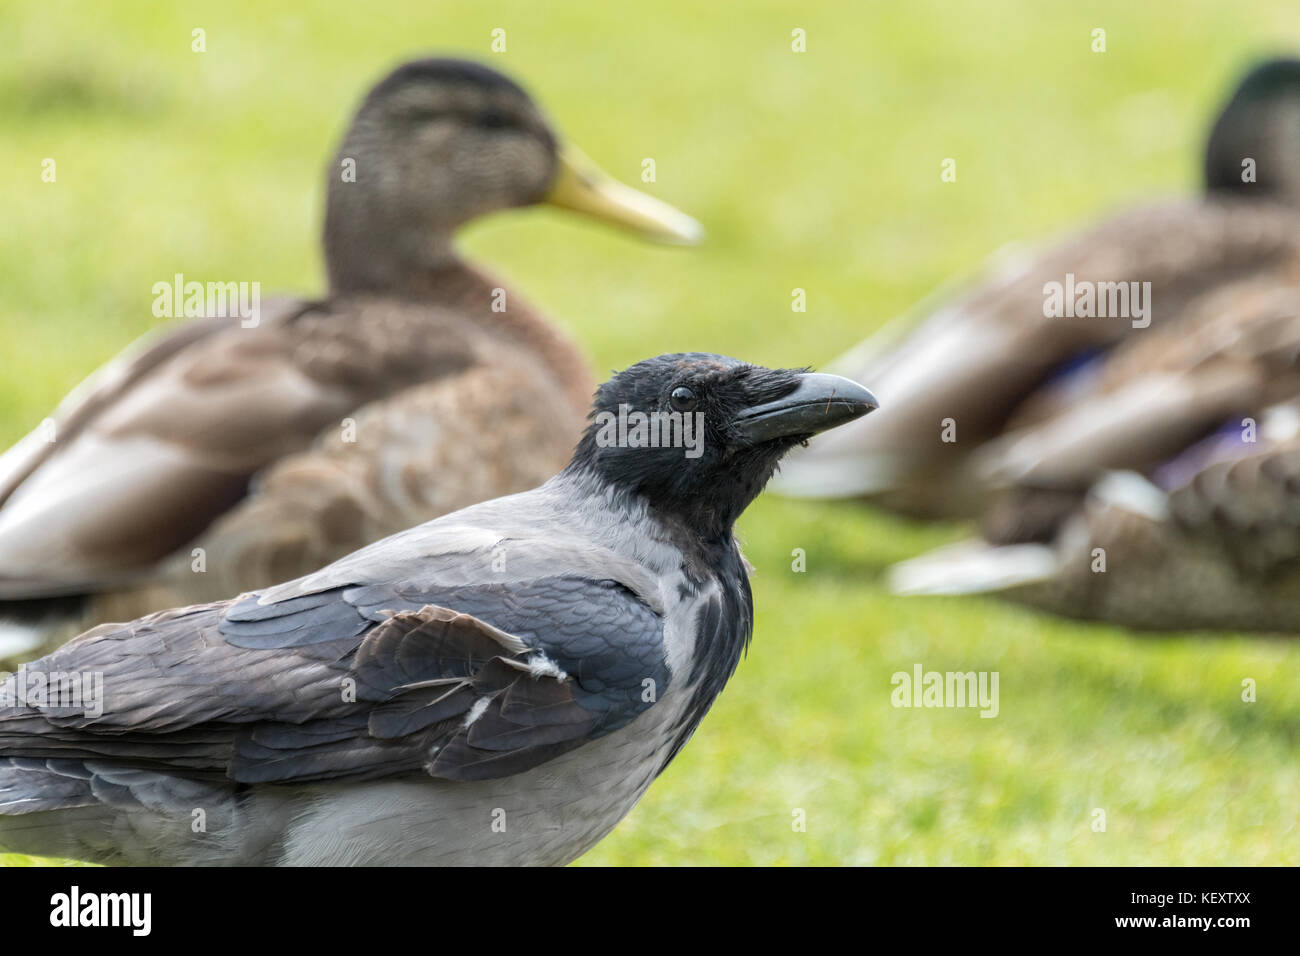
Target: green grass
column 816, row 170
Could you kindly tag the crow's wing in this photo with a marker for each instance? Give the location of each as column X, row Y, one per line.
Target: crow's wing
column 366, row 679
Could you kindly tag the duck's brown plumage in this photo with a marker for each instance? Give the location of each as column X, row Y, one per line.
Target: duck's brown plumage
column 1165, row 495
column 1219, row 552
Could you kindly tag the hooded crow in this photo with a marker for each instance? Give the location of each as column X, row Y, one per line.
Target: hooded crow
column 223, row 454
column 496, row 686
column 1042, row 321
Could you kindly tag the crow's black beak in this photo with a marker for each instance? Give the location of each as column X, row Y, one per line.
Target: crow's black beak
column 820, row 402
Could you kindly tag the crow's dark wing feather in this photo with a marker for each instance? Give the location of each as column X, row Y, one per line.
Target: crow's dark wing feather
column 359, row 681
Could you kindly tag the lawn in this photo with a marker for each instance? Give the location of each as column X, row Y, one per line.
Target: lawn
column 817, row 170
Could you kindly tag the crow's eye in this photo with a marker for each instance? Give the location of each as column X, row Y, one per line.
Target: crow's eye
column 683, row 398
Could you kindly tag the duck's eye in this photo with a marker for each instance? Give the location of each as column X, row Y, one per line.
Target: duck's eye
column 683, row 398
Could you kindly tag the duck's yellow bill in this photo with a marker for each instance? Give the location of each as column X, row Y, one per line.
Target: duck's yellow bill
column 580, row 185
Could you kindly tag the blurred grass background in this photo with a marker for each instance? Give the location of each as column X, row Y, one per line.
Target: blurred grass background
column 817, row 170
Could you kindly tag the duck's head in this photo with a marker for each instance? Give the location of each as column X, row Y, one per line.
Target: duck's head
column 697, row 436
column 1254, row 145
column 439, row 142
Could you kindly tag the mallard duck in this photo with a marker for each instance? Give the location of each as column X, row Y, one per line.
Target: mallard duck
column 212, row 458
column 1165, row 495
column 960, row 378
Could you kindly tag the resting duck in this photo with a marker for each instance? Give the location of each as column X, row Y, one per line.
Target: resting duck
column 1166, row 495
column 223, row 454
column 967, row 372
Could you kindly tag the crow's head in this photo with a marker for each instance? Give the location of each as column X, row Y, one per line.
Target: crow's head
column 698, row 435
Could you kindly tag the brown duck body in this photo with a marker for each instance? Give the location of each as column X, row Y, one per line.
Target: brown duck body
column 1164, row 495
column 982, row 361
column 221, row 458
column 1219, row 552
column 1137, row 468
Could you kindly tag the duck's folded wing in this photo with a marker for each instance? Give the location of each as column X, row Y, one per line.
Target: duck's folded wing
column 85, row 402
column 1155, row 396
column 372, row 680
column 437, row 447
column 155, row 453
